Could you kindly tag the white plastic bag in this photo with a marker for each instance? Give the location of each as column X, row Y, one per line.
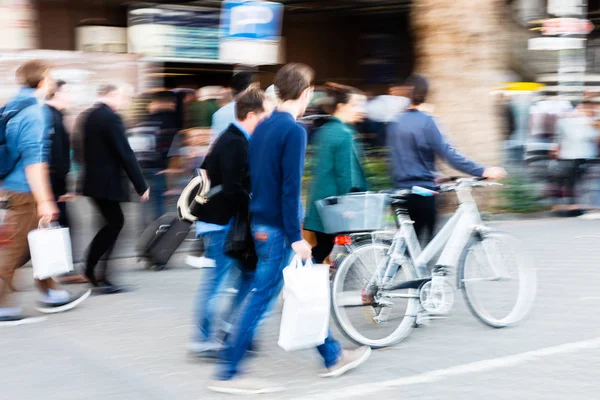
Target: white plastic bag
column 50, row 249
column 306, row 307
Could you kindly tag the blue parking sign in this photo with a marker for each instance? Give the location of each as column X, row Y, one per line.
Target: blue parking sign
column 251, row 20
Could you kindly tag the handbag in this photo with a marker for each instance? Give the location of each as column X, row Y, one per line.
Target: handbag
column 239, row 243
column 306, row 307
column 51, row 253
column 195, row 195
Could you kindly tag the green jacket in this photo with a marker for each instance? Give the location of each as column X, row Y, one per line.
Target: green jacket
column 337, row 168
column 200, row 114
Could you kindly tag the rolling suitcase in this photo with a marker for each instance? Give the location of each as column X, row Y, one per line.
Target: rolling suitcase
column 161, row 239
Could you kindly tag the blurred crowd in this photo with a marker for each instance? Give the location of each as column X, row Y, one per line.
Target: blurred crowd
column 234, row 160
column 557, row 144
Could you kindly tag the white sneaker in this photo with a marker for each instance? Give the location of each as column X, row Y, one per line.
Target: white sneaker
column 199, row 262
column 350, row 359
column 68, row 304
column 244, row 386
column 591, row 216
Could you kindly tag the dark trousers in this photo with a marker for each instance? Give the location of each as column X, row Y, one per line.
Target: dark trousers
column 422, row 210
column 573, row 176
column 59, row 188
column 105, row 239
column 323, row 248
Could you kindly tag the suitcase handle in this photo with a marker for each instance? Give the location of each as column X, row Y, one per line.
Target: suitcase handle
column 163, row 228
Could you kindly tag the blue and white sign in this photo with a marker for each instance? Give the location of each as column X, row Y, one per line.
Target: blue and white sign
column 250, row 19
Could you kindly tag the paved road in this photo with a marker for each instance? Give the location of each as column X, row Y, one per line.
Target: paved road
column 132, row 346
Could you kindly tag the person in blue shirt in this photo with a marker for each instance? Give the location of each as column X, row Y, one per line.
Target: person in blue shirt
column 276, row 159
column 227, row 167
column 415, row 141
column 28, row 192
column 226, row 116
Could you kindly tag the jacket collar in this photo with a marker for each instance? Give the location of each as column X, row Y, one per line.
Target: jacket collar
column 54, row 109
column 26, row 92
column 235, row 130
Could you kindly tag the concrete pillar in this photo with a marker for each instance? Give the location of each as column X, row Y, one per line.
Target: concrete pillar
column 18, row 19
column 461, row 48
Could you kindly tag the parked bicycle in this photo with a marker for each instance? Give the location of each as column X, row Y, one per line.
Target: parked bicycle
column 384, row 286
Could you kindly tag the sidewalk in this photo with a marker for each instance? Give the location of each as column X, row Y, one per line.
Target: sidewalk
column 132, row 346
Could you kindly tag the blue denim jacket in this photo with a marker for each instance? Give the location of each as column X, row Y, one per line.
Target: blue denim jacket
column 27, row 138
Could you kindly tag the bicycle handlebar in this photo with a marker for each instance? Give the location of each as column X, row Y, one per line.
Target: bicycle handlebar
column 443, row 188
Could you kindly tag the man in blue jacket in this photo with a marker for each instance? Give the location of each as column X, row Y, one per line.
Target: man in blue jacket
column 415, row 141
column 276, row 160
column 28, row 191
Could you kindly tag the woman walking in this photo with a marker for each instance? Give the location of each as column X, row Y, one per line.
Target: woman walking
column 337, row 169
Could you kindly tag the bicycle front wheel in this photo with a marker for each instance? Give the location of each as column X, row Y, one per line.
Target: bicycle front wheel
column 499, row 281
column 384, row 322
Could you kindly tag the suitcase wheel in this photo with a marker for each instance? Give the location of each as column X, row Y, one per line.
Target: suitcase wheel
column 159, row 267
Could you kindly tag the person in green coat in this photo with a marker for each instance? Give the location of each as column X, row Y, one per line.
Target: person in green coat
column 337, row 167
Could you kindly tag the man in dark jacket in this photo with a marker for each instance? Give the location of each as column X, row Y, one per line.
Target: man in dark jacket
column 106, row 154
column 57, row 102
column 227, row 166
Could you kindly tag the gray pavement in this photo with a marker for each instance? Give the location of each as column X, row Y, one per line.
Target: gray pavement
column 133, row 346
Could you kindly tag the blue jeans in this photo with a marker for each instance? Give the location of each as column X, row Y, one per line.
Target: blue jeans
column 213, row 281
column 274, row 254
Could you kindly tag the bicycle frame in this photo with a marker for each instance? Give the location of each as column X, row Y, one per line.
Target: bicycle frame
column 450, row 241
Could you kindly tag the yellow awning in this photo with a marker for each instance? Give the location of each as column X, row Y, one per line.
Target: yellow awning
column 522, row 86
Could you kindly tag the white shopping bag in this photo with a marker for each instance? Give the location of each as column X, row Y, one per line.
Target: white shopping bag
column 305, row 318
column 50, row 249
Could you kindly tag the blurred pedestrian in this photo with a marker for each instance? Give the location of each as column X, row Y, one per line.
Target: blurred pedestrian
column 226, row 166
column 107, row 153
column 276, row 159
column 240, row 81
column 57, row 102
column 578, row 144
column 162, row 118
column 26, row 188
column 338, row 161
column 201, row 111
column 414, row 140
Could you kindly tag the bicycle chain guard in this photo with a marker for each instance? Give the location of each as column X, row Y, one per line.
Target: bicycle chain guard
column 437, row 297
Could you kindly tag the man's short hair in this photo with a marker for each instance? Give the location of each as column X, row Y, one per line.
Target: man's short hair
column 32, row 73
column 165, row 97
column 240, row 81
column 252, row 100
column 420, row 89
column 106, row 88
column 293, row 79
column 56, row 87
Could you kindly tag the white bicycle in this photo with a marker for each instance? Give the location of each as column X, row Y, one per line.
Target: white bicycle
column 385, row 287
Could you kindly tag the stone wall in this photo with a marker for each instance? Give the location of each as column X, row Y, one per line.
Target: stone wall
column 461, row 48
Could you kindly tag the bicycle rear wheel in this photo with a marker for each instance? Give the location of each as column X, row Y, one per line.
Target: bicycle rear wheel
column 499, row 281
column 383, row 323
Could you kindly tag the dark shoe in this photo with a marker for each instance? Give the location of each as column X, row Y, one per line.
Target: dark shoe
column 252, row 350
column 205, row 355
column 91, row 278
column 69, row 304
column 113, row 288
